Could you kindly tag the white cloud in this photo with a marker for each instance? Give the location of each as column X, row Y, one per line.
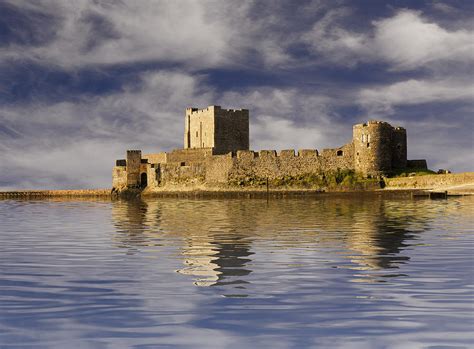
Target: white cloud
column 197, row 32
column 75, row 142
column 331, row 42
column 290, row 118
column 408, row 41
column 405, row 41
column 383, row 99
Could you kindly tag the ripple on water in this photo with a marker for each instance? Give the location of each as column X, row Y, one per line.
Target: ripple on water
column 236, row 273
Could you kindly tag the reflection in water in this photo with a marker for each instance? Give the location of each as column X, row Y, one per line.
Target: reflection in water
column 217, row 236
column 100, row 274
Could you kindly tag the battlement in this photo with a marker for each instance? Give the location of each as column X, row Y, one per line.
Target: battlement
column 216, row 150
column 212, row 108
column 291, row 153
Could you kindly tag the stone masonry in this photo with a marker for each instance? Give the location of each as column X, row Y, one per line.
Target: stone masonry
column 216, row 153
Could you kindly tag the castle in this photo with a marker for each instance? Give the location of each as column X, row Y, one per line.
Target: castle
column 216, row 154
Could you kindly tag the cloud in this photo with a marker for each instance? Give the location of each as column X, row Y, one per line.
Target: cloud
column 331, row 41
column 91, row 32
column 74, row 143
column 86, row 78
column 408, row 41
column 383, row 99
column 404, row 41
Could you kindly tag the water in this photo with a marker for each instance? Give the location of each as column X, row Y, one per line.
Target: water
column 296, row 273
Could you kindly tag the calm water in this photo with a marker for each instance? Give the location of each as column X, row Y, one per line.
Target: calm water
column 320, row 272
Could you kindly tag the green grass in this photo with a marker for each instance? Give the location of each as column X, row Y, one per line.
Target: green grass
column 410, row 172
column 333, row 180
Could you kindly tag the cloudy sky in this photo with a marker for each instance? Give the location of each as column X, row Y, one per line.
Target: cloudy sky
column 82, row 81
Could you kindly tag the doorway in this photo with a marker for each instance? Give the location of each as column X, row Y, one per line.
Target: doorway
column 143, row 180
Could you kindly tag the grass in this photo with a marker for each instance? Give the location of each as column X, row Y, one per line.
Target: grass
column 333, row 180
column 410, row 172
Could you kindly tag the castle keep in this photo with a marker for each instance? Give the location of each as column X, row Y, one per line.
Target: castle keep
column 216, row 154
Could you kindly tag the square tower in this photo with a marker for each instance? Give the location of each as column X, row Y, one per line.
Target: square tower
column 223, row 130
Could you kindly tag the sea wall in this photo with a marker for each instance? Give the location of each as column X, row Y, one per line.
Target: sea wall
column 435, row 181
column 56, row 193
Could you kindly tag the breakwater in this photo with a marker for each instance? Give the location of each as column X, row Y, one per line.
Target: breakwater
column 55, row 193
column 452, row 182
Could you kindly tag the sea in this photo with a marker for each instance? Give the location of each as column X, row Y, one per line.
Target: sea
column 345, row 271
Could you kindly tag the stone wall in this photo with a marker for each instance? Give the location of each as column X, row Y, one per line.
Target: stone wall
column 174, row 173
column 218, row 168
column 376, row 149
column 373, row 147
column 133, row 167
column 231, row 130
column 399, row 148
column 189, row 155
column 288, row 163
column 119, row 177
column 435, row 181
column 199, row 130
column 156, row 158
column 192, row 166
column 224, row 130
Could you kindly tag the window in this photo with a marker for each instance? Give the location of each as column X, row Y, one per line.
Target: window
column 368, row 145
column 197, row 134
column 340, row 153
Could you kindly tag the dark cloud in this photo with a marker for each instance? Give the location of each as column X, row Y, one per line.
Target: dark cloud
column 25, row 26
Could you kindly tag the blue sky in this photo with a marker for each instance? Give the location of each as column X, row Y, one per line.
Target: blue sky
column 82, row 81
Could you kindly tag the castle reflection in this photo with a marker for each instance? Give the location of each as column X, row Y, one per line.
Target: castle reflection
column 217, row 238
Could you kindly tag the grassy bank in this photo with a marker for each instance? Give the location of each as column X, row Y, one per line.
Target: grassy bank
column 341, row 180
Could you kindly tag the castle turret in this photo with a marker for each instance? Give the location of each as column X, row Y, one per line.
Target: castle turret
column 373, row 148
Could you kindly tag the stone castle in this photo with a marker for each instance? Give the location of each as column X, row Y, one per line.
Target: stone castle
column 216, row 154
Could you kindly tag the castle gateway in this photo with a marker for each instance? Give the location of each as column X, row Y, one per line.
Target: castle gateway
column 216, row 154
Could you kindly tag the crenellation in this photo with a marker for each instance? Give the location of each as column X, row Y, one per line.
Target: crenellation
column 245, row 154
column 287, row 153
column 308, row 153
column 216, row 152
column 265, row 154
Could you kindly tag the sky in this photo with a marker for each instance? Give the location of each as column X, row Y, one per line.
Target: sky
column 82, row 81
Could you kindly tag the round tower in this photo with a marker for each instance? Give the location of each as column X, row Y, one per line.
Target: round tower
column 372, row 148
